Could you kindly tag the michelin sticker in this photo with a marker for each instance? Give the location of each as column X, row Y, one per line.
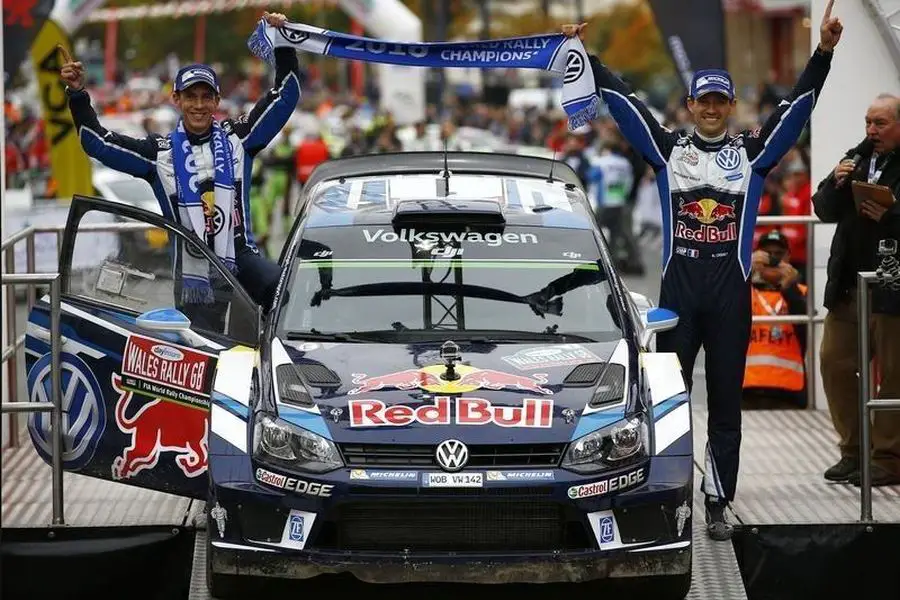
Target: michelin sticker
column 84, row 412
column 519, row 476
column 395, row 476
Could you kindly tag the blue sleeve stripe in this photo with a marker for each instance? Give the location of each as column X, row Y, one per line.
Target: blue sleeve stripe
column 276, row 114
column 668, row 228
column 113, row 155
column 785, row 134
column 632, row 124
column 165, row 205
column 748, row 221
column 245, row 201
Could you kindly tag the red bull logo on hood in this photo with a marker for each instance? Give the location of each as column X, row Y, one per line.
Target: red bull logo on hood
column 534, row 412
column 431, row 379
column 707, row 211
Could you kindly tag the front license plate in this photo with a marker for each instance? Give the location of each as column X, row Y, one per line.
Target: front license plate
column 453, row 480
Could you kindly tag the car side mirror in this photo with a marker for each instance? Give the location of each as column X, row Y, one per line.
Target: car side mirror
column 656, row 320
column 170, row 320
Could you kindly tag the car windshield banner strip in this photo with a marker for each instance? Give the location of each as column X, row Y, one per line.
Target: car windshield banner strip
column 551, row 52
column 469, row 264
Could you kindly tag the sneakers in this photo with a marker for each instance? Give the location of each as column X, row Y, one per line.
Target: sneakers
column 845, row 469
column 717, row 527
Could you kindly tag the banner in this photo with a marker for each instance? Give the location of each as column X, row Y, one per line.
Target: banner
column 70, row 14
column 22, row 20
column 694, row 33
column 70, row 166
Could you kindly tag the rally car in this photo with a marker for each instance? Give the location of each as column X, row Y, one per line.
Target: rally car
column 452, row 384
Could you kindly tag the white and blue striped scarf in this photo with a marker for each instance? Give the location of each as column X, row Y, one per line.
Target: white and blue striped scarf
column 556, row 53
column 210, row 219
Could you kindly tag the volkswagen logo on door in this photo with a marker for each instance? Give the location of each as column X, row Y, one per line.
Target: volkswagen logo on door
column 84, row 412
column 452, row 455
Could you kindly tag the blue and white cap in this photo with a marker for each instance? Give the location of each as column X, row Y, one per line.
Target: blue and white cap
column 196, row 73
column 708, row 81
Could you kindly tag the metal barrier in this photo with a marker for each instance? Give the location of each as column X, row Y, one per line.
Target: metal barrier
column 17, row 341
column 867, row 404
column 55, row 405
column 810, row 318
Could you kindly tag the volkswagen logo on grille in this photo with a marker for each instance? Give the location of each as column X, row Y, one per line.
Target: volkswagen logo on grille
column 452, row 455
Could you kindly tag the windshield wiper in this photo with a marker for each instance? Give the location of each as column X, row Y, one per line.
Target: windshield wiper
column 512, row 335
column 319, row 336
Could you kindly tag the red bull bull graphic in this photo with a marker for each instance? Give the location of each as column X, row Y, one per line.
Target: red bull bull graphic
column 160, row 369
column 707, row 211
column 431, row 380
column 158, row 426
column 534, row 412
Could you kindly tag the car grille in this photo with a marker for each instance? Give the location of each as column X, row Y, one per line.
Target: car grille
column 464, row 525
column 489, row 455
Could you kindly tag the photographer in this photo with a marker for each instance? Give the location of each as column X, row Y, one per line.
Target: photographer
column 775, row 376
column 860, row 234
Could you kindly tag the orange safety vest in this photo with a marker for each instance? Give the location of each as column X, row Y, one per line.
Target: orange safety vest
column 774, row 359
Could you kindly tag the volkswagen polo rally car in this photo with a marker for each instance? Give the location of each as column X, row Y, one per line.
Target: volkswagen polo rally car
column 452, row 384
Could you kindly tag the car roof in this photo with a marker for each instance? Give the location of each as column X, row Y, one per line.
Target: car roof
column 376, row 183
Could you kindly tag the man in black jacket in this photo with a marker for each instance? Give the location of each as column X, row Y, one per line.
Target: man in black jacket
column 854, row 248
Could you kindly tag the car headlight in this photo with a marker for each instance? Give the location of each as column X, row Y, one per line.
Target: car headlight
column 611, row 447
column 278, row 442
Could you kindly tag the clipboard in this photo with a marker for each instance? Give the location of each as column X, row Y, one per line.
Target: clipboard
column 880, row 194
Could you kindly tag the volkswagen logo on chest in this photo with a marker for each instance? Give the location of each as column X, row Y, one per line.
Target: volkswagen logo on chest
column 728, row 158
column 452, row 455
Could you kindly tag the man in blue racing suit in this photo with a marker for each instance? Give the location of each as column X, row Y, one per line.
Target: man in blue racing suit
column 192, row 161
column 710, row 185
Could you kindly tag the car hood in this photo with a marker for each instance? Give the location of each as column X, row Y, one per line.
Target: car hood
column 398, row 393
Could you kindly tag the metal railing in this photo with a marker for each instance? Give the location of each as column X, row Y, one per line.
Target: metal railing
column 55, row 405
column 810, row 318
column 8, row 247
column 867, row 403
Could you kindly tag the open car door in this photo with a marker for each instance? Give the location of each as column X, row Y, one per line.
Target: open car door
column 145, row 313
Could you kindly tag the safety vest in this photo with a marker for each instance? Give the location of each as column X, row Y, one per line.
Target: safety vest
column 774, row 359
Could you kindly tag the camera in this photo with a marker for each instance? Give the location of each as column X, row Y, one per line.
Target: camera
column 774, row 260
column 887, row 247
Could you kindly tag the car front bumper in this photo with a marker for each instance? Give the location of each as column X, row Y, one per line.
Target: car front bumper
column 398, row 534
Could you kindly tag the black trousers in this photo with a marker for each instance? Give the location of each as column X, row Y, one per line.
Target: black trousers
column 257, row 275
column 712, row 300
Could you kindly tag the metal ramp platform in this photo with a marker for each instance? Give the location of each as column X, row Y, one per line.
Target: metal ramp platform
column 26, row 501
column 783, row 456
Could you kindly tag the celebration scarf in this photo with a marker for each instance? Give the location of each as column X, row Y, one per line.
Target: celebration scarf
column 209, row 218
column 556, row 53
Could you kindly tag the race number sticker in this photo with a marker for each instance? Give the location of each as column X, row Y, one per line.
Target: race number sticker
column 453, row 480
column 164, row 370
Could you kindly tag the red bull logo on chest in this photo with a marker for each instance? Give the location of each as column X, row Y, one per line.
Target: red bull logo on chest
column 711, row 215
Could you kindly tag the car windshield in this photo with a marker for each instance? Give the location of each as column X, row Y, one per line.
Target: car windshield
column 523, row 283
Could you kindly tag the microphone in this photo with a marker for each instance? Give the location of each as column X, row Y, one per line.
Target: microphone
column 864, row 150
